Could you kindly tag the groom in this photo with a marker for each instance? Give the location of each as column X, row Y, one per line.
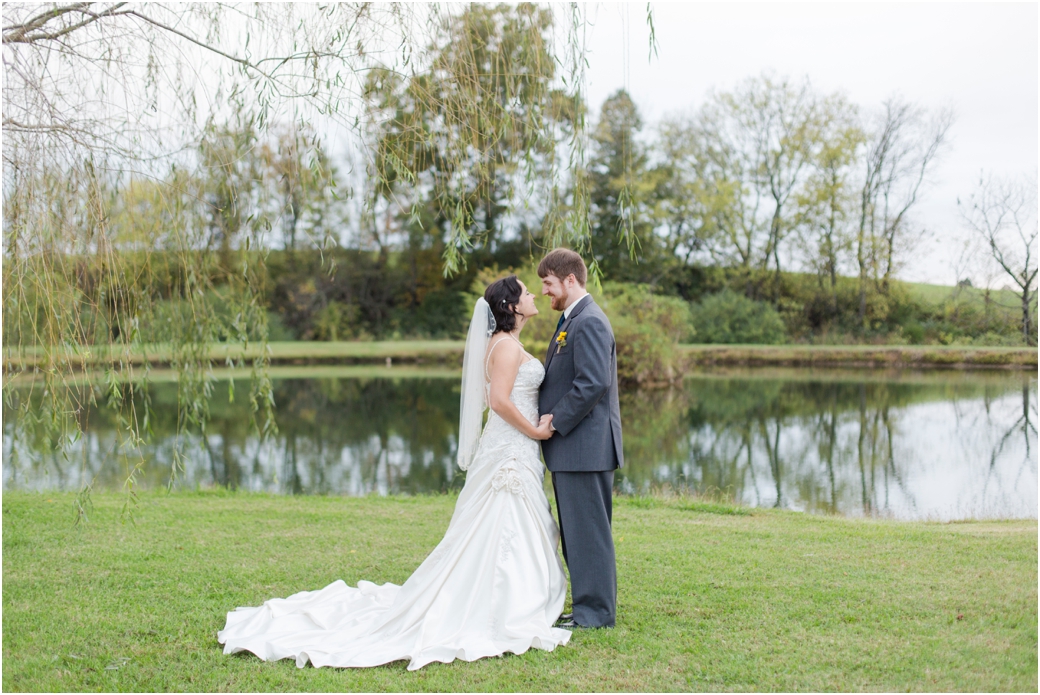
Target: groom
column 580, row 390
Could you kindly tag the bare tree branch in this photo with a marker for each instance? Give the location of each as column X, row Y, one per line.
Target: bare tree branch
column 1002, row 214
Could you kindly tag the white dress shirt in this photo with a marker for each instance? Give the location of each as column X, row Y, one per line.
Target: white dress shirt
column 567, row 311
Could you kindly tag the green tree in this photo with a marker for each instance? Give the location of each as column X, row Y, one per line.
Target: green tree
column 304, row 186
column 825, row 209
column 623, row 190
column 460, row 145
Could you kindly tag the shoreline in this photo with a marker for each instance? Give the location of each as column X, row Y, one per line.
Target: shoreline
column 862, row 356
column 446, row 353
column 654, row 499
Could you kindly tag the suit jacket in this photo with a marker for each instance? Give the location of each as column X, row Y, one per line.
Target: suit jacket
column 580, row 390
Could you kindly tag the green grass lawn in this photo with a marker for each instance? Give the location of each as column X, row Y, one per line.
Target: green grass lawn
column 710, row 597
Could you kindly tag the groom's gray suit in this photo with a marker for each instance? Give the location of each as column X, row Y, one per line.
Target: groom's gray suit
column 580, row 390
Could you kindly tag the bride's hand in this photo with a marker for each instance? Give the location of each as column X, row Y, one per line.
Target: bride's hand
column 543, row 431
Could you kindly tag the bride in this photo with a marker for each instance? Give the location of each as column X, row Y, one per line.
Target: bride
column 495, row 583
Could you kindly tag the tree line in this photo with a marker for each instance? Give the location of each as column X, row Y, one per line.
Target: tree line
column 773, row 205
column 772, row 202
column 798, row 201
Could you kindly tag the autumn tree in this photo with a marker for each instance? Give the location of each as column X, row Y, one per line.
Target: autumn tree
column 748, row 156
column 304, row 186
column 463, row 146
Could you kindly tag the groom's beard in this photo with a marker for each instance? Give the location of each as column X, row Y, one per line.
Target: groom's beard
column 558, row 303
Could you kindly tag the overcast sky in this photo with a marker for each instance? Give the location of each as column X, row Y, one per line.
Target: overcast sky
column 981, row 59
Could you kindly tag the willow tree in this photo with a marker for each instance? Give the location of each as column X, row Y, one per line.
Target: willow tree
column 477, row 135
column 129, row 135
column 622, row 187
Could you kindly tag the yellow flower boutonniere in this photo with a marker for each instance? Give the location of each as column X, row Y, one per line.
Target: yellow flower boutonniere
column 561, row 341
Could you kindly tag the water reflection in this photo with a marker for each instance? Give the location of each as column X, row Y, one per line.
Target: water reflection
column 336, row 436
column 938, row 446
column 922, row 449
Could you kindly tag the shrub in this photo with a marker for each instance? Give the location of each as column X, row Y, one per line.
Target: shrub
column 913, row 331
column 441, row 313
column 336, row 321
column 277, row 331
column 647, row 331
column 647, row 327
column 729, row 317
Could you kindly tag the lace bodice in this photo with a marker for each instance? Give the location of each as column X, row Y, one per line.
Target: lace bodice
column 499, row 434
column 525, row 389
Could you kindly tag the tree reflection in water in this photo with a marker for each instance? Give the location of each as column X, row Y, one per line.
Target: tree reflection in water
column 919, row 447
column 944, row 445
column 336, row 436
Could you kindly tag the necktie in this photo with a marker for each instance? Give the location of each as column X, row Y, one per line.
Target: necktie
column 560, row 324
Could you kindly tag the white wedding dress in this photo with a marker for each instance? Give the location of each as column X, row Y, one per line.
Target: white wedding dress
column 494, row 584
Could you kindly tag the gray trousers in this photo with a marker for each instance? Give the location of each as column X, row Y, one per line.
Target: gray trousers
column 583, row 504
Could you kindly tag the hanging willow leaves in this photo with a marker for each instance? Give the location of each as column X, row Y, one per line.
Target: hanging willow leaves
column 466, row 144
column 153, row 153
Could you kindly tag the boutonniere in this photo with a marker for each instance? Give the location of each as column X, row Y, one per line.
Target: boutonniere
column 561, row 341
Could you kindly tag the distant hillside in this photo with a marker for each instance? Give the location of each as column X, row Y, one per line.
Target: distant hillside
column 935, row 295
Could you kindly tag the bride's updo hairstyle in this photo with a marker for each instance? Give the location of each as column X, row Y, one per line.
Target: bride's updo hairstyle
column 503, row 296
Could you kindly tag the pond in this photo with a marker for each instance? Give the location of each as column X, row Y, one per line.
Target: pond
column 924, row 445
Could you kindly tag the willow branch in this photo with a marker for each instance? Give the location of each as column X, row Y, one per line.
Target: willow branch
column 22, row 36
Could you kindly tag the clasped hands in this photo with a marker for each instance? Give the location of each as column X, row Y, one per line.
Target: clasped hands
column 542, row 431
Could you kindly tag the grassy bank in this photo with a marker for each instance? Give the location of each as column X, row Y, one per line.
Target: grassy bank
column 710, row 597
column 870, row 356
column 449, row 352
column 289, row 351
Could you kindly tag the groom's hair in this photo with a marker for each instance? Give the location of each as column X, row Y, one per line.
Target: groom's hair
column 561, row 263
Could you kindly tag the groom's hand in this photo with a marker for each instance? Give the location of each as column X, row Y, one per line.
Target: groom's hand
column 544, row 429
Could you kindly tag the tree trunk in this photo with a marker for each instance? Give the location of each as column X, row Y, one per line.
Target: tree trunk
column 1027, row 322
column 861, row 258
column 776, row 248
column 986, row 306
column 862, row 293
column 832, row 260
